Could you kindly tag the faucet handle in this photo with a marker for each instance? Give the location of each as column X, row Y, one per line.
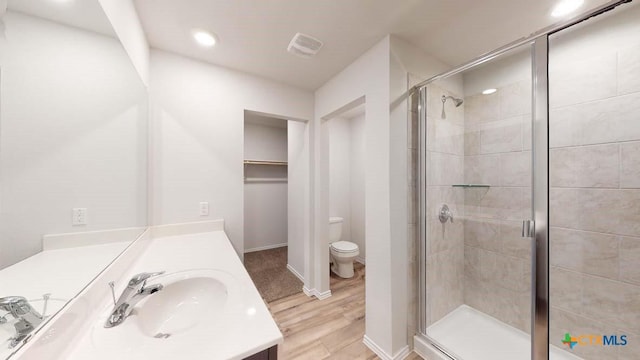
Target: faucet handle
column 142, row 277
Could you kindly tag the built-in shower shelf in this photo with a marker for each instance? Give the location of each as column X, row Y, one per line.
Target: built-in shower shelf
column 471, row 185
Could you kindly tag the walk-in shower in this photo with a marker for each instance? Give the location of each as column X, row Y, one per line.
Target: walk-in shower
column 542, row 176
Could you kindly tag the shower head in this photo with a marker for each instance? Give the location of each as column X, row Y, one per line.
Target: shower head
column 457, row 102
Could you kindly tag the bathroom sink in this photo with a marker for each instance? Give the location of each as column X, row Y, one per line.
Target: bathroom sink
column 181, row 305
column 190, row 302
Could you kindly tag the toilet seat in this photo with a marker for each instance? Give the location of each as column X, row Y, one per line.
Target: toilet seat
column 344, row 247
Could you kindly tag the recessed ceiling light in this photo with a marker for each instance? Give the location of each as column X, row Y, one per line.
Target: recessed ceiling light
column 203, row 37
column 566, row 7
column 489, row 91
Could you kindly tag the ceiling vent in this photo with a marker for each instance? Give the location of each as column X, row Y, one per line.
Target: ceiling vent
column 304, row 46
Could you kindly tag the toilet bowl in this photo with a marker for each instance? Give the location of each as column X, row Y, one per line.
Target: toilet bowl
column 342, row 253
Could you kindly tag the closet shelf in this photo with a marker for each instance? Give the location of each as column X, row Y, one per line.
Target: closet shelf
column 471, row 185
column 265, row 180
column 265, row 162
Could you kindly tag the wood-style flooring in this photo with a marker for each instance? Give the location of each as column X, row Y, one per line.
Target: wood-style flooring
column 325, row 329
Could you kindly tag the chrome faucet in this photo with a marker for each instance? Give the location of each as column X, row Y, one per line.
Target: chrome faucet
column 28, row 318
column 135, row 291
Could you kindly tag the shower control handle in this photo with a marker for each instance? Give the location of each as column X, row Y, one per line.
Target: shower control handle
column 445, row 214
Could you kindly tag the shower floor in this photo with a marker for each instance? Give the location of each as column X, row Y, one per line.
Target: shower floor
column 474, row 335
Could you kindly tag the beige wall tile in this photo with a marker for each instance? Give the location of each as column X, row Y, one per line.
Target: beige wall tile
column 514, row 308
column 515, row 99
column 585, row 252
column 585, row 166
column 515, row 168
column 511, row 240
column 444, row 169
column 501, row 136
column 479, row 264
column 630, row 165
column 506, row 203
column 482, row 108
column 629, row 309
column 562, row 322
column 630, row 260
column 511, row 273
column 471, row 141
column 482, row 169
column 631, row 351
column 581, row 80
column 565, row 289
column 609, row 120
column 445, row 136
column 629, row 71
column 602, row 299
column 444, row 281
column 482, row 233
column 597, row 210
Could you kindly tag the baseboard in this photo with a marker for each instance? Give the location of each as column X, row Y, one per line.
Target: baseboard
column 403, row 353
column 316, row 293
column 268, row 247
column 426, row 350
column 360, row 259
column 296, row 273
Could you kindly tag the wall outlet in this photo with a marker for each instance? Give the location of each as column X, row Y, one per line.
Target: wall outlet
column 204, row 209
column 79, row 216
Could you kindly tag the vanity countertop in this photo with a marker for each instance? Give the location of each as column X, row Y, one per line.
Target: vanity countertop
column 244, row 328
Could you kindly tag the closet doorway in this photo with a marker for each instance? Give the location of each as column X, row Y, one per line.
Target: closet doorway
column 269, row 255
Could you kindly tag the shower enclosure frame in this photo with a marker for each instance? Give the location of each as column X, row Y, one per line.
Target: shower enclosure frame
column 539, row 43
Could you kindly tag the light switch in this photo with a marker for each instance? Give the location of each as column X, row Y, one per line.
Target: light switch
column 204, row 209
column 79, row 216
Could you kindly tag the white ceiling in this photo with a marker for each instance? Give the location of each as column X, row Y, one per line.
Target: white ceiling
column 84, row 14
column 254, row 34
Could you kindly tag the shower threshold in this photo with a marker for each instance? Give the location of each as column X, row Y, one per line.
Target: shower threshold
column 474, row 335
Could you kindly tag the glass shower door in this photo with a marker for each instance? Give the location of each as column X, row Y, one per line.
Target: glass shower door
column 478, row 170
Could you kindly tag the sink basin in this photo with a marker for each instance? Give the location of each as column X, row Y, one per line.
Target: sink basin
column 191, row 300
column 181, row 305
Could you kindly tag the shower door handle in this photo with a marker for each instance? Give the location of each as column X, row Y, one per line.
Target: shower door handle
column 528, row 228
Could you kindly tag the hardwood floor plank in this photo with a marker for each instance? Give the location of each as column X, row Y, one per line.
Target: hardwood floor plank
column 330, row 329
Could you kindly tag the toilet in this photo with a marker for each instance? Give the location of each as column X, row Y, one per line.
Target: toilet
column 342, row 253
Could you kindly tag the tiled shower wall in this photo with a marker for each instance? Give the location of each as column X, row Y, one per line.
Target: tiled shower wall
column 445, row 159
column 595, row 198
column 497, row 153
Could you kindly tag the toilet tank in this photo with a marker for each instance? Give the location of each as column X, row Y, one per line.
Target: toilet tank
column 335, row 229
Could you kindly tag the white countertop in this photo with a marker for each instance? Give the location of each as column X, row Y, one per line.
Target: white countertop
column 245, row 329
column 62, row 273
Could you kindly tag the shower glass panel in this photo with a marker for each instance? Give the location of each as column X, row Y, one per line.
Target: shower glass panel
column 478, row 163
column 594, row 200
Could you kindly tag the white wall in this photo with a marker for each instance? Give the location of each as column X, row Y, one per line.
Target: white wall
column 340, row 173
column 346, row 178
column 265, row 203
column 298, row 198
column 70, row 136
column 197, row 120
column 368, row 76
column 380, row 75
column 124, row 18
column 357, row 184
column 263, row 142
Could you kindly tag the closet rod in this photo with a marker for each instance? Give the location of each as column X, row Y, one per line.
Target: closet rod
column 262, row 162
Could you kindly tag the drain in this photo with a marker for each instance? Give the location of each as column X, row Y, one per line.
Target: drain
column 161, row 336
